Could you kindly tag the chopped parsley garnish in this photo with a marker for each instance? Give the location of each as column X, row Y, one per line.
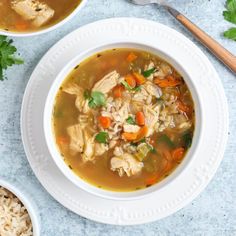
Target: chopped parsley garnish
column 147, row 73
column 96, row 99
column 102, row 137
column 7, row 55
column 127, row 86
column 130, row 120
column 230, row 15
column 230, row 34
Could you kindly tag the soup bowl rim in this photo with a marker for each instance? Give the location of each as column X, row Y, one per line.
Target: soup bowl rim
column 52, row 146
column 46, row 29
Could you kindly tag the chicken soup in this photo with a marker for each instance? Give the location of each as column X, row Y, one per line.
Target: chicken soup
column 123, row 119
column 33, row 15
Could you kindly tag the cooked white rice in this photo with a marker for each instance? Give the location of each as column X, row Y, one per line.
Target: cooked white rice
column 14, row 218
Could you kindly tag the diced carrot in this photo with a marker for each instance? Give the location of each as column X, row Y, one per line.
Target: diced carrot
column 182, row 107
column 136, row 137
column 61, row 140
column 129, row 136
column 140, row 79
column 130, row 79
column 140, row 118
column 152, row 180
column 178, row 154
column 168, row 81
column 131, row 57
column 118, row 90
column 104, row 121
column 142, row 133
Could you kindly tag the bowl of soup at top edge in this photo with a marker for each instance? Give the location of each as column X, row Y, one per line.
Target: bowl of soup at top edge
column 22, row 18
column 122, row 121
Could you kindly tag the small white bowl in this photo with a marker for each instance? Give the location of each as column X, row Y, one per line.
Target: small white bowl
column 49, row 136
column 26, row 201
column 48, row 29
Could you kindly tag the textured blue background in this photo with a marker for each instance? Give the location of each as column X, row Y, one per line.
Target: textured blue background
column 212, row 213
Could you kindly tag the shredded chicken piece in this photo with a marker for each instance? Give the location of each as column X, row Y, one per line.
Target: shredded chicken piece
column 89, row 147
column 39, row 13
column 107, row 83
column 126, row 164
column 131, row 128
column 153, row 89
column 163, row 70
column 100, row 149
column 118, row 151
column 151, row 118
column 122, row 114
column 81, row 103
column 76, row 138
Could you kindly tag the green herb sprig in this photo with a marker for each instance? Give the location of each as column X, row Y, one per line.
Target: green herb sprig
column 102, row 137
column 7, row 55
column 96, row 98
column 230, row 15
column 149, row 72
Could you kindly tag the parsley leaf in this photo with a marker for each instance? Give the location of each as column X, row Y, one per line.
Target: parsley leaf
column 127, row 86
column 96, row 98
column 102, row 137
column 230, row 15
column 7, row 57
column 147, row 73
column 230, row 34
column 130, row 121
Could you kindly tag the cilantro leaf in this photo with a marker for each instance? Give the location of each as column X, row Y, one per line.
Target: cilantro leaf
column 130, row 121
column 230, row 34
column 7, row 55
column 231, row 5
column 102, row 137
column 230, row 14
column 96, row 99
column 147, row 73
column 127, row 86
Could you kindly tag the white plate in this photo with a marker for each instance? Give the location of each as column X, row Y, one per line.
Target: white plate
column 180, row 191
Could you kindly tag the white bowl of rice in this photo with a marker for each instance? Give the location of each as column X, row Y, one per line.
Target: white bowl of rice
column 17, row 213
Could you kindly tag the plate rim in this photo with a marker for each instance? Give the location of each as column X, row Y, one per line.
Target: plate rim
column 122, row 19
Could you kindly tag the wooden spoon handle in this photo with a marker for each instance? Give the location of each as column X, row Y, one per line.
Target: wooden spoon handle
column 219, row 51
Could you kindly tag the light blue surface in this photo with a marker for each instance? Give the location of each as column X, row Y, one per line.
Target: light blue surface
column 212, row 213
